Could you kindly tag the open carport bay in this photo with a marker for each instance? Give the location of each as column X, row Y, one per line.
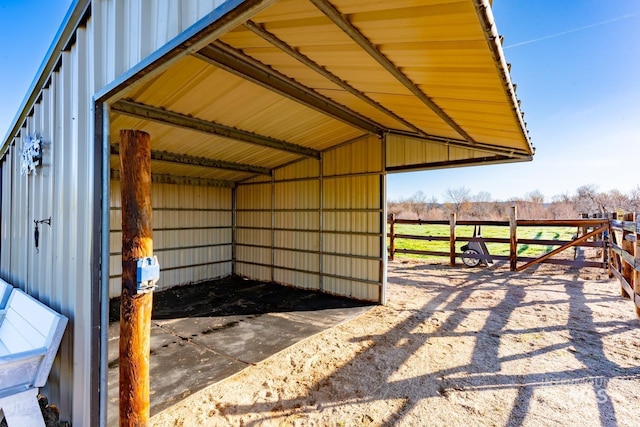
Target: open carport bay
column 206, row 332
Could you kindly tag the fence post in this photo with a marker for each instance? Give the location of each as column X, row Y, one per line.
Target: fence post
column 636, row 273
column 135, row 308
column 513, row 239
column 628, row 271
column 452, row 239
column 392, row 236
column 608, row 249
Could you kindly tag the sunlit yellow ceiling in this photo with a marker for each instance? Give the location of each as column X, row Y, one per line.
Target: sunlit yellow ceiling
column 312, row 74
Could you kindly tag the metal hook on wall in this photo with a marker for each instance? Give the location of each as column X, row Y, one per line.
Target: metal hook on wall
column 36, row 232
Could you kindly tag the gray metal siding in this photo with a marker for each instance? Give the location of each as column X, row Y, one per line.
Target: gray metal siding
column 58, row 273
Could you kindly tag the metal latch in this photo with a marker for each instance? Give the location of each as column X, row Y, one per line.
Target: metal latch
column 147, row 274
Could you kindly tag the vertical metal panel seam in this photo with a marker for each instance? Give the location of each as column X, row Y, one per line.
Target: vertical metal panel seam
column 234, row 229
column 273, row 226
column 321, row 225
column 105, row 241
column 383, row 225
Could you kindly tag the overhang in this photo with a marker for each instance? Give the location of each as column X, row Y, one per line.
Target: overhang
column 299, row 77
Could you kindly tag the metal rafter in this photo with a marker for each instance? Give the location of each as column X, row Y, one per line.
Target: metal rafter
column 176, row 119
column 184, row 159
column 234, row 61
column 305, row 60
column 348, row 28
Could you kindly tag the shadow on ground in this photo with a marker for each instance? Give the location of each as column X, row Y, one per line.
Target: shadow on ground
column 517, row 320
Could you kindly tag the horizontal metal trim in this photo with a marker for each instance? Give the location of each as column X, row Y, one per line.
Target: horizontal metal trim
column 182, row 267
column 181, row 180
column 307, row 251
column 311, row 210
column 184, row 159
column 181, row 248
column 334, row 276
column 353, row 279
column 278, row 210
column 156, row 230
column 167, row 209
column 192, row 123
column 241, row 227
column 456, row 163
column 304, row 230
column 311, row 178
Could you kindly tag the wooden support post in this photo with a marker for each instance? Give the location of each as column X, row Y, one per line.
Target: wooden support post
column 135, row 309
column 513, row 239
column 452, row 239
column 628, row 246
column 392, row 236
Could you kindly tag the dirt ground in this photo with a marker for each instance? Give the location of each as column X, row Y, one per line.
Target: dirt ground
column 454, row 347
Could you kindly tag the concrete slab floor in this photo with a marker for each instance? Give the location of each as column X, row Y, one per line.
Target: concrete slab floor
column 203, row 333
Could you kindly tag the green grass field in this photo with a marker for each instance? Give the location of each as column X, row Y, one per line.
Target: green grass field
column 525, row 250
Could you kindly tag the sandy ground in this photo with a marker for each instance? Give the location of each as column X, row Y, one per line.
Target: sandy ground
column 454, row 347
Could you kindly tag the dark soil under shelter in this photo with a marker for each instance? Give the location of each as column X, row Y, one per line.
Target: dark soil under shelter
column 205, row 332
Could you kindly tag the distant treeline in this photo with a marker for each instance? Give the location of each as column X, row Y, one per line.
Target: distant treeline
column 586, row 199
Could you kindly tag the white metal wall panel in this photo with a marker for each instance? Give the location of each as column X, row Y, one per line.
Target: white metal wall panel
column 59, row 272
column 130, row 30
column 6, row 168
column 192, row 234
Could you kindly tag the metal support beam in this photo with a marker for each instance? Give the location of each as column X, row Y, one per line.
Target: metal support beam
column 305, row 60
column 187, row 122
column 181, row 180
column 184, row 159
column 229, row 59
column 348, row 28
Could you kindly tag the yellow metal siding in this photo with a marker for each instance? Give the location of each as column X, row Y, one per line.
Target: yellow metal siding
column 402, row 151
column 192, row 234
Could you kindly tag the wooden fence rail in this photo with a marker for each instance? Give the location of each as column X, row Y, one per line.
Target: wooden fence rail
column 618, row 240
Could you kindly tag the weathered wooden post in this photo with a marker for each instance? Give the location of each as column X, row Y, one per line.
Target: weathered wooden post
column 135, row 306
column 392, row 236
column 628, row 245
column 513, row 239
column 452, row 239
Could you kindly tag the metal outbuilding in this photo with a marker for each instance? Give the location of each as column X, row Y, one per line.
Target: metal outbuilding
column 273, row 125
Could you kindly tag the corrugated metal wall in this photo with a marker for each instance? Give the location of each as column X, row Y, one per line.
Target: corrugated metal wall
column 403, row 151
column 59, row 271
column 322, row 222
column 112, row 38
column 129, row 30
column 192, row 234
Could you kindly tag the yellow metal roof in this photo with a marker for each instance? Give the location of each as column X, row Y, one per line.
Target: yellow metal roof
column 303, row 76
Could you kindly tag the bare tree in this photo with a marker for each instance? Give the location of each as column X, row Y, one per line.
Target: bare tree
column 418, row 203
column 458, row 198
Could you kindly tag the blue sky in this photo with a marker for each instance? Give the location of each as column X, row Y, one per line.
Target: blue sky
column 576, row 64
